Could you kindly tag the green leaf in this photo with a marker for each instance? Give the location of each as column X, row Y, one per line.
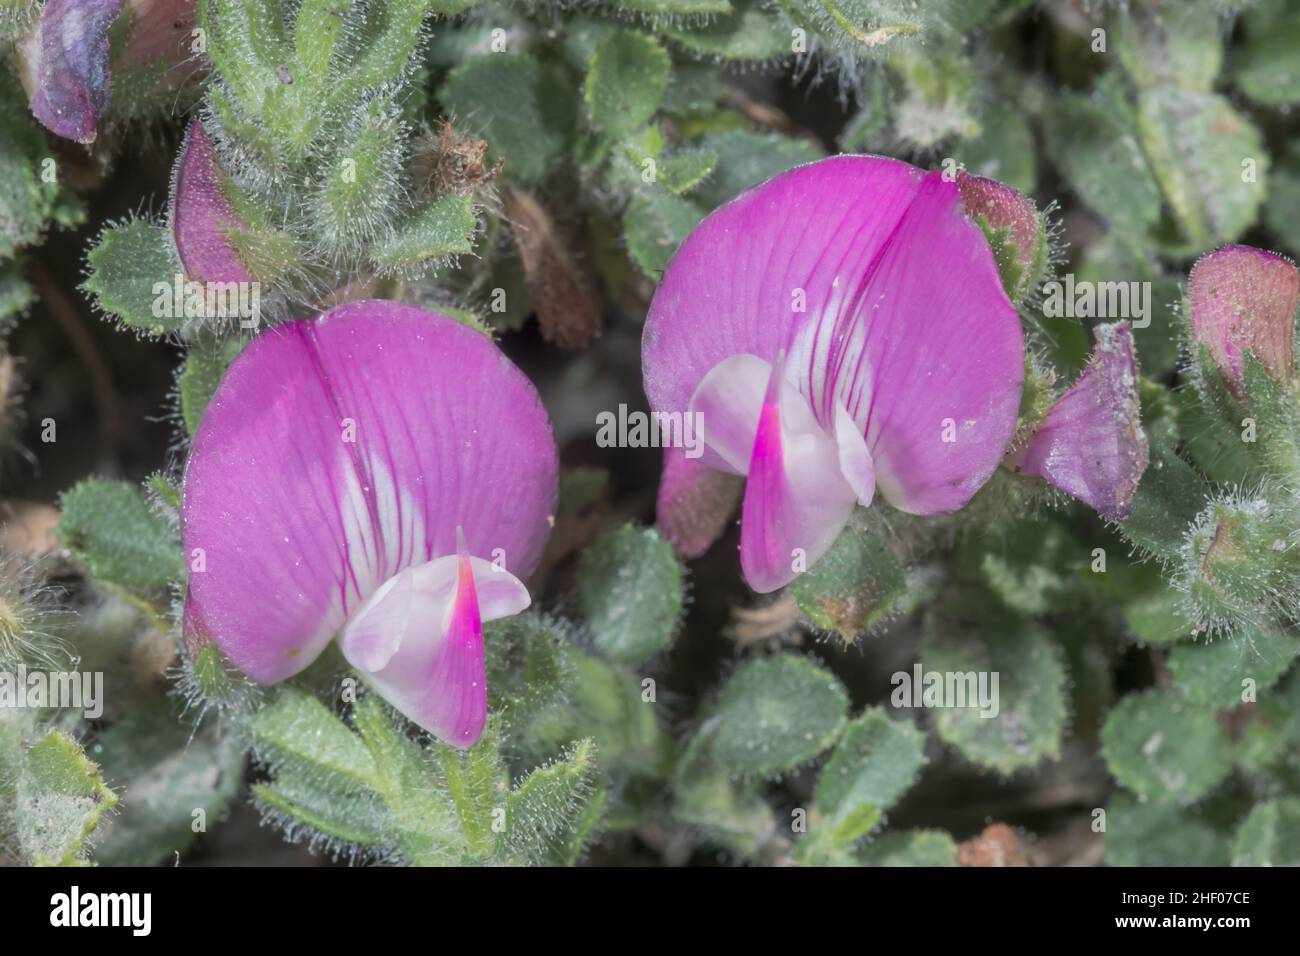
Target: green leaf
column 245, row 42
column 585, row 828
column 1093, row 142
column 1179, row 44
column 16, row 293
column 373, row 788
column 1032, row 566
column 296, row 797
column 125, row 265
column 609, row 706
column 205, row 366
column 1267, row 69
column 1211, row 437
column 1157, row 834
column 1168, row 499
column 910, row 848
column 59, row 799
column 1197, row 144
column 751, row 34
column 1158, row 618
column 109, row 525
column 1274, row 407
column 1235, row 568
column 27, row 201
column 669, row 9
column 686, row 170
column 746, row 159
column 550, row 803
column 655, row 224
column 439, row 800
column 298, row 727
column 626, row 82
column 1213, row 673
column 315, row 33
column 776, row 714
column 630, row 593
column 387, row 34
column 1029, row 698
column 1164, row 748
column 444, row 227
column 936, row 100
column 1266, row 740
column 860, row 26
column 476, row 782
column 1004, row 149
column 527, row 669
column 857, row 584
column 525, row 111
column 1270, row 836
column 730, row 812
column 167, row 772
column 1282, row 211
column 874, row 764
column 694, row 90
column 356, row 190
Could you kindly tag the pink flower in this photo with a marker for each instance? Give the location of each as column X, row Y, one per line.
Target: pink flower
column 839, row 330
column 1244, row 299
column 66, row 66
column 1091, row 444
column 202, row 216
column 380, row 474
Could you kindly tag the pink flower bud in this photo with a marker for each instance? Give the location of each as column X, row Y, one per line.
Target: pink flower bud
column 65, row 66
column 1000, row 206
column 1244, row 299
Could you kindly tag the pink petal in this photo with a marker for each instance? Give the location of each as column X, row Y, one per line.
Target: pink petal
column 796, row 501
column 202, row 216
column 419, row 641
column 945, row 356
column 754, row 421
column 341, row 451
column 731, row 288
column 695, row 503
column 65, row 66
column 377, row 629
column 888, row 303
column 1091, row 444
column 1244, row 299
column 450, row 697
column 728, row 403
column 855, row 458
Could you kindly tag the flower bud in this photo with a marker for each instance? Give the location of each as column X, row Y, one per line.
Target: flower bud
column 1243, row 299
column 65, row 66
column 1014, row 228
column 1241, row 564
